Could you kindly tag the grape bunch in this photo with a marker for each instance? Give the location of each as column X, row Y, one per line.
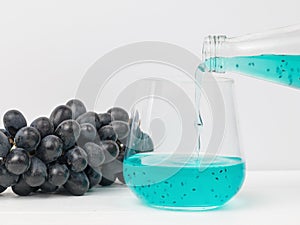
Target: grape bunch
column 74, row 149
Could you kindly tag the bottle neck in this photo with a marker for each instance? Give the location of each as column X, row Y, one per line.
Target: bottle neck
column 211, row 53
column 216, row 49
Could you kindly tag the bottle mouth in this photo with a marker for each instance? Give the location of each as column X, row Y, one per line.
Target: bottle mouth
column 211, row 46
column 211, row 52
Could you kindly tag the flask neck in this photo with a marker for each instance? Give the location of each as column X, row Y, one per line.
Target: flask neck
column 212, row 52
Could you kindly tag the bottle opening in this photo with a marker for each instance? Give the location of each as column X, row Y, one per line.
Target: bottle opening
column 211, row 53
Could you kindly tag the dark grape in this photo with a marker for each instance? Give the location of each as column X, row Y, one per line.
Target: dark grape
column 93, row 176
column 87, row 134
column 5, row 146
column 7, row 134
column 13, row 121
column 58, row 174
column 36, row 174
column 68, row 131
column 7, row 178
column 124, row 141
column 9, row 137
column 95, row 154
column 121, row 156
column 107, row 133
column 109, row 172
column 121, row 128
column 91, row 118
column 105, row 119
column 61, row 160
column 50, row 148
column 48, row 187
column 107, row 182
column 142, row 144
column 2, row 189
column 35, row 189
column 43, row 125
column 17, row 161
column 77, row 107
column 77, row 184
column 60, row 114
column 115, row 166
column 97, row 140
column 118, row 113
column 111, row 150
column 28, row 138
column 77, row 159
column 22, row 188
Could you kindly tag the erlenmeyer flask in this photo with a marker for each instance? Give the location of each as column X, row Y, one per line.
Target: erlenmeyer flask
column 163, row 166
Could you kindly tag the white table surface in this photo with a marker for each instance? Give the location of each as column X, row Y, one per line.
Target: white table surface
column 267, row 197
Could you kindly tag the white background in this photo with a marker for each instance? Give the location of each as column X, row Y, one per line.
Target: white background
column 46, row 48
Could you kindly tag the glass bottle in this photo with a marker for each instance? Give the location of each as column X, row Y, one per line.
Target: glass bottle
column 272, row 55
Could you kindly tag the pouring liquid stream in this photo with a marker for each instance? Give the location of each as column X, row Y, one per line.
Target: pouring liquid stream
column 199, row 123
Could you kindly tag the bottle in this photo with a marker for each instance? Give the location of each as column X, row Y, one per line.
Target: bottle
column 272, row 55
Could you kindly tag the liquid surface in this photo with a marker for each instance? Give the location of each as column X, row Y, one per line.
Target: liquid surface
column 181, row 181
column 283, row 69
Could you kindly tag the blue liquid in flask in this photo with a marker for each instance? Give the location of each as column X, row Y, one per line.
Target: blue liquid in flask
column 211, row 185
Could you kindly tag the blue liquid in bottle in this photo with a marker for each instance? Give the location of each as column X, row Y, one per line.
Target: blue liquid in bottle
column 282, row 69
column 185, row 184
